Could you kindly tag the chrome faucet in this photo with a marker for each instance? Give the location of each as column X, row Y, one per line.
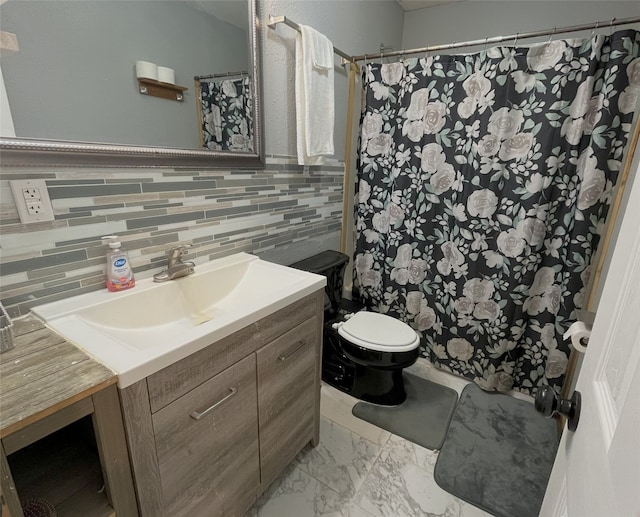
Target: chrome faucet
column 175, row 267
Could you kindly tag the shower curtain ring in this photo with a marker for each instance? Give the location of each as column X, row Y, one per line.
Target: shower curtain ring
column 515, row 40
column 593, row 32
column 552, row 35
column 611, row 26
column 485, row 43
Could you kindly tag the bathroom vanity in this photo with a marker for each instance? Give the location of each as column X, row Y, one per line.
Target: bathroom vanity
column 209, row 433
column 218, row 379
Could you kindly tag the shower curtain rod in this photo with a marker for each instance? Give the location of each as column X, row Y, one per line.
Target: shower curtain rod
column 275, row 20
column 224, row 74
column 499, row 39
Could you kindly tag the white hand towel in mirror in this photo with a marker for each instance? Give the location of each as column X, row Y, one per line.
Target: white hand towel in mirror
column 315, row 104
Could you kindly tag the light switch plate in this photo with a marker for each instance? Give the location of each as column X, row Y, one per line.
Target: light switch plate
column 32, row 200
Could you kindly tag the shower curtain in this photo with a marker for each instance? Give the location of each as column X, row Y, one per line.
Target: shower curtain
column 484, row 181
column 227, row 121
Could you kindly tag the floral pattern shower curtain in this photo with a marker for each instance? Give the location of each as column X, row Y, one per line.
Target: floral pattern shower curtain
column 227, row 114
column 484, row 183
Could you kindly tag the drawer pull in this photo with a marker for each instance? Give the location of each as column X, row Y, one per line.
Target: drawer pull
column 197, row 416
column 285, row 357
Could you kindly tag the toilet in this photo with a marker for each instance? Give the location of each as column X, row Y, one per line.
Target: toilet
column 364, row 352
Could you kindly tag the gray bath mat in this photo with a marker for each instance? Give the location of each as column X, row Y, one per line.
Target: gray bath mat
column 498, row 454
column 422, row 418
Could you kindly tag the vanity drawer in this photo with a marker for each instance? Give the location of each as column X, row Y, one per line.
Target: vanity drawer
column 287, row 371
column 207, row 446
column 174, row 381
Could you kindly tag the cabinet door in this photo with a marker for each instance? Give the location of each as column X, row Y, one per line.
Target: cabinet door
column 287, row 374
column 207, row 445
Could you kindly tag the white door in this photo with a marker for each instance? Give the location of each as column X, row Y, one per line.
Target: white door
column 597, row 469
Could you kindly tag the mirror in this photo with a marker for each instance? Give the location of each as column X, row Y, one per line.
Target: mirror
column 78, row 97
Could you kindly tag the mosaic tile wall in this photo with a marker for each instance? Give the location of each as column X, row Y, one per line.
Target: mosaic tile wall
column 218, row 212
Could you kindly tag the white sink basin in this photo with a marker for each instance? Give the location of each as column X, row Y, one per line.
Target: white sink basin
column 142, row 330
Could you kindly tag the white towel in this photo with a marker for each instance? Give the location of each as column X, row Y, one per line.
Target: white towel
column 315, row 104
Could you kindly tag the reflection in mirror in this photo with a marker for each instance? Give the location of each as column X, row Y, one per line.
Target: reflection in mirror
column 226, row 120
column 74, row 78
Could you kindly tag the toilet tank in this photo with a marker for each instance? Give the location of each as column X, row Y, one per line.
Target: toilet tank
column 332, row 265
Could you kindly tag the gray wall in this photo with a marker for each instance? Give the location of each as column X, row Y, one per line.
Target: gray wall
column 355, row 27
column 74, row 76
column 470, row 20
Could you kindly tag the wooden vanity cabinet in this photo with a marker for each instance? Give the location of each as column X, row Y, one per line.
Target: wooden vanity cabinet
column 209, row 433
column 286, row 397
column 207, row 444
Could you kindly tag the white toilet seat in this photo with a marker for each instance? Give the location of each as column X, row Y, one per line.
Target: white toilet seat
column 379, row 332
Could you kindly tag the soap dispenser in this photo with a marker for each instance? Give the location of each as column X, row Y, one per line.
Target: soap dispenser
column 119, row 272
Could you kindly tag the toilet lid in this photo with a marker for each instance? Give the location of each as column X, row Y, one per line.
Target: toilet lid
column 379, row 332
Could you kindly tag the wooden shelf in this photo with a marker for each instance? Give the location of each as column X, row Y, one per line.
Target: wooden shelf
column 159, row 89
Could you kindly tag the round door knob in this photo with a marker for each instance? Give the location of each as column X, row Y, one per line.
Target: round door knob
column 550, row 404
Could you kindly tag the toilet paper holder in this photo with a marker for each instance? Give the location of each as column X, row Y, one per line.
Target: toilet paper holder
column 579, row 333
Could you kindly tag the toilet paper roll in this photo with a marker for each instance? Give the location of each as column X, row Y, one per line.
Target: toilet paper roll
column 577, row 332
column 166, row 75
column 146, row 70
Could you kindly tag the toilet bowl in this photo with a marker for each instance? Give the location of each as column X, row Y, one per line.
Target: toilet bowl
column 378, row 347
column 364, row 352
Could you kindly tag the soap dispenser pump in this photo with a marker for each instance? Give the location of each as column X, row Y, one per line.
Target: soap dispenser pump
column 119, row 272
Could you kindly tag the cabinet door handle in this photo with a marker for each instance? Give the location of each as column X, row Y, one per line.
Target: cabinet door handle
column 197, row 416
column 301, row 345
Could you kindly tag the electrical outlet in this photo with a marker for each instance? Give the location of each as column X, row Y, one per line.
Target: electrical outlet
column 34, row 207
column 32, row 200
column 31, row 194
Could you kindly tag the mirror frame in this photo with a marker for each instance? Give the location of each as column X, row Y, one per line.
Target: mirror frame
column 33, row 152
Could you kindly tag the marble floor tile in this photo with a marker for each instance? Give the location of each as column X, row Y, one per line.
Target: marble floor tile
column 295, row 493
column 336, row 406
column 341, row 460
column 398, row 452
column 401, row 484
column 353, row 510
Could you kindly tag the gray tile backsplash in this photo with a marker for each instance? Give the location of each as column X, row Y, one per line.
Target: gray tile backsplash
column 218, row 212
column 93, row 190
